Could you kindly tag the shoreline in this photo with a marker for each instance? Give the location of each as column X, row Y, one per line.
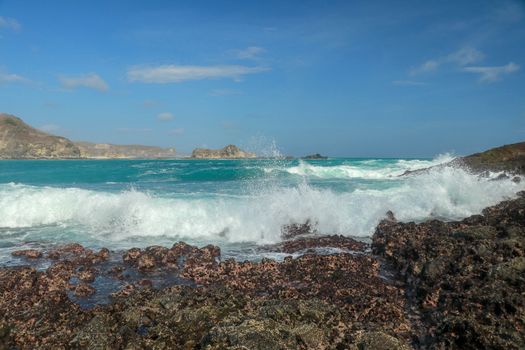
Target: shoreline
column 432, row 284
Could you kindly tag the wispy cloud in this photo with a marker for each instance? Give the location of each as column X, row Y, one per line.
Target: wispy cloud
column 249, row 53
column 175, row 74
column 9, row 23
column 176, row 131
column 224, row 92
column 165, row 116
column 91, row 81
column 6, row 77
column 493, row 73
column 408, row 83
column 134, row 130
column 462, row 57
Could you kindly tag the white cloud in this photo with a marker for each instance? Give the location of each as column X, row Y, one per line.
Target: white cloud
column 12, row 78
column 175, row 74
column 9, row 23
column 462, row 57
column 494, row 73
column 92, row 81
column 165, row 116
column 250, row 53
column 408, row 83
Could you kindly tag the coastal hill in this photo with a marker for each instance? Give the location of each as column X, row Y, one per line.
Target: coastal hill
column 21, row 141
column 509, row 158
column 106, row 150
column 18, row 140
column 228, row 152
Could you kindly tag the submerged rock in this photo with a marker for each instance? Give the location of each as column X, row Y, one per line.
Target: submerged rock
column 28, row 253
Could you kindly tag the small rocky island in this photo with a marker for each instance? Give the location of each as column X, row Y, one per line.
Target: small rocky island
column 316, row 156
column 18, row 140
column 228, row 152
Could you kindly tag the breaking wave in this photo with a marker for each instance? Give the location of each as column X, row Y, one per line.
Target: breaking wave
column 257, row 216
column 366, row 169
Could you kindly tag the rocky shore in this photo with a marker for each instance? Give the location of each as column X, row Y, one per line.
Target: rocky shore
column 433, row 285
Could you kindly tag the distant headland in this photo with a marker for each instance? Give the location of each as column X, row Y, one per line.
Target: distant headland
column 19, row 140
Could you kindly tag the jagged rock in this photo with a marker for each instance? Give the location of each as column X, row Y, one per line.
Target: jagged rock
column 465, row 277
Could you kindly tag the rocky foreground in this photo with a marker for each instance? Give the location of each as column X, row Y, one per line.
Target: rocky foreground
column 433, row 285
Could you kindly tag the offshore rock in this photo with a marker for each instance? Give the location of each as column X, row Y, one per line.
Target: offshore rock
column 230, row 151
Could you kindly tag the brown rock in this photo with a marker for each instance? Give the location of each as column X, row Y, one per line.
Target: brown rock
column 28, row 253
column 83, row 290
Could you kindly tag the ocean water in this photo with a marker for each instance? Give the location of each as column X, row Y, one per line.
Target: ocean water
column 237, row 204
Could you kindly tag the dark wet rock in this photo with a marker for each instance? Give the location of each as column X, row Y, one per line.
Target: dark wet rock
column 27, row 253
column 390, row 216
column 378, row 341
column 132, row 255
column 145, row 283
column 293, row 230
column 306, row 324
column 84, row 290
column 103, row 254
column 315, row 301
column 303, row 243
column 465, row 278
column 87, row 275
column 156, row 257
column 314, row 156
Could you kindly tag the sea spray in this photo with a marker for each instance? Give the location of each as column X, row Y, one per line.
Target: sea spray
column 255, row 214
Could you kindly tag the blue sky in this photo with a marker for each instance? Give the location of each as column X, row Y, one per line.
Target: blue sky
column 342, row 78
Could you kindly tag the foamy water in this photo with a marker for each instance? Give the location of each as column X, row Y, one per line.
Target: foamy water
column 232, row 203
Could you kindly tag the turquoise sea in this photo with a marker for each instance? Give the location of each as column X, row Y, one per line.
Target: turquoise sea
column 237, row 204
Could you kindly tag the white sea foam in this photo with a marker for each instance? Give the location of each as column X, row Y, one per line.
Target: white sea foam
column 257, row 217
column 368, row 169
